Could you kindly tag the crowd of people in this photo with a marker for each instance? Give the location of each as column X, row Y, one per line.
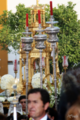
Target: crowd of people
column 39, row 99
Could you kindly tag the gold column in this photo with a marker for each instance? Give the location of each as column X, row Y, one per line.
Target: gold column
column 45, row 67
column 47, row 70
column 43, row 17
column 20, row 67
column 34, row 16
column 32, row 69
column 31, row 18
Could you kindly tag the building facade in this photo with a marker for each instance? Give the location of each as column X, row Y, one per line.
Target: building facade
column 3, row 53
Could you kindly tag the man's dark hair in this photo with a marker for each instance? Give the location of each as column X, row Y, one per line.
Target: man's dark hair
column 23, row 117
column 22, row 97
column 44, row 94
column 52, row 112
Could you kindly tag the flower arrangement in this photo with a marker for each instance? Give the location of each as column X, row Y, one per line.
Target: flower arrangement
column 49, row 86
column 14, row 86
column 36, row 80
column 5, row 79
column 2, row 99
column 10, row 99
column 8, row 82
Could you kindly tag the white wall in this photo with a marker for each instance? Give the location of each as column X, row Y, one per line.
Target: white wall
column 12, row 57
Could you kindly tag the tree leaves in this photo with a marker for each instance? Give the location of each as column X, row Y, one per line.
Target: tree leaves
column 13, row 24
column 69, row 34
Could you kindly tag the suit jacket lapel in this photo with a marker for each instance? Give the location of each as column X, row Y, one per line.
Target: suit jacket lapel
column 48, row 118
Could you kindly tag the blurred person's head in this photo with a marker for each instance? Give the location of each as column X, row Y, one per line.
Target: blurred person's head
column 52, row 113
column 22, row 100
column 70, row 93
column 71, row 85
column 73, row 113
column 38, row 102
column 23, row 117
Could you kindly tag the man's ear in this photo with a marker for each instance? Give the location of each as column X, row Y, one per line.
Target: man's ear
column 46, row 106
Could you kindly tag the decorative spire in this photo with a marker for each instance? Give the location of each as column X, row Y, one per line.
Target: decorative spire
column 37, row 2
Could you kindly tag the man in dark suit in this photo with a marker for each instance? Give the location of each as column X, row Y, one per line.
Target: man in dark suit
column 22, row 100
column 38, row 103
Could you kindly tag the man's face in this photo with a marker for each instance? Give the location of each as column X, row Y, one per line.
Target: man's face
column 36, row 108
column 23, row 103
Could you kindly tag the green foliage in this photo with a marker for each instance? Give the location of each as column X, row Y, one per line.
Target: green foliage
column 13, row 24
column 69, row 32
column 69, row 35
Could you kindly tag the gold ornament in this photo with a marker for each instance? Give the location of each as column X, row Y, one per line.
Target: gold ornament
column 18, row 86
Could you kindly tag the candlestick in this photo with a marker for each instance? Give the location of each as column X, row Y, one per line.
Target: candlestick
column 64, row 60
column 39, row 18
column 15, row 65
column 52, row 32
column 40, row 38
column 27, row 20
column 27, row 47
column 51, row 8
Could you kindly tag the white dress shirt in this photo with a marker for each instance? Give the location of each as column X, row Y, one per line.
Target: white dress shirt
column 44, row 118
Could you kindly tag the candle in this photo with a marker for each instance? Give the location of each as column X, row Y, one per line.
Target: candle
column 51, row 8
column 15, row 65
column 64, row 60
column 39, row 18
column 27, row 20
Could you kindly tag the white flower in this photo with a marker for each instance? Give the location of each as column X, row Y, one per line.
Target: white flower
column 36, row 80
column 5, row 79
column 44, row 85
column 2, row 99
column 49, row 92
column 45, row 81
column 10, row 99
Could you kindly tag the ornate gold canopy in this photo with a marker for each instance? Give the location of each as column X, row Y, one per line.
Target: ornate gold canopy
column 34, row 54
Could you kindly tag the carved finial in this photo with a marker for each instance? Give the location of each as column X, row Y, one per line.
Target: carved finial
column 37, row 2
